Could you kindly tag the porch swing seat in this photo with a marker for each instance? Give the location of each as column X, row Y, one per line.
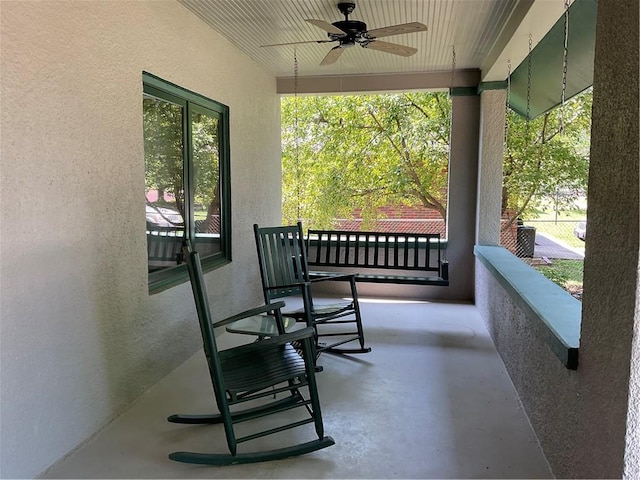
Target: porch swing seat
column 269, row 374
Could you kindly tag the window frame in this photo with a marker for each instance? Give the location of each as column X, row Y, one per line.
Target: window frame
column 155, row 86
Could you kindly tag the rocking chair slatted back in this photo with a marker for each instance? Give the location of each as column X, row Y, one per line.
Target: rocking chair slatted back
column 282, row 256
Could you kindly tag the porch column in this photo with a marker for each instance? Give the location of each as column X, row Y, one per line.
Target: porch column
column 489, row 204
column 610, row 341
column 463, row 182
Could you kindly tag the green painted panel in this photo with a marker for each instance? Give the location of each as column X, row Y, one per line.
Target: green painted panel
column 547, row 60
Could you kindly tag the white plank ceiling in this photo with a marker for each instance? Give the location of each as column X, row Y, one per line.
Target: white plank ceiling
column 474, row 27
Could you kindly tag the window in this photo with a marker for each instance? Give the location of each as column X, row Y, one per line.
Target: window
column 187, row 187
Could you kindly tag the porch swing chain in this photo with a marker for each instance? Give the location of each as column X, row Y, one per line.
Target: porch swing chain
column 528, row 89
column 453, row 66
column 506, row 108
column 295, row 130
column 565, row 53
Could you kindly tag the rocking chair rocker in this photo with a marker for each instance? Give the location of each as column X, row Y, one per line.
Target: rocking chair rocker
column 257, row 372
column 284, row 270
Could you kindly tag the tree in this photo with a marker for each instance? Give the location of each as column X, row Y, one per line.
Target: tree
column 164, row 157
column 163, row 149
column 348, row 153
column 542, row 159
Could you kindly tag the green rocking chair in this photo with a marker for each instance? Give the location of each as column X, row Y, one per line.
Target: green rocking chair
column 268, row 372
column 282, row 257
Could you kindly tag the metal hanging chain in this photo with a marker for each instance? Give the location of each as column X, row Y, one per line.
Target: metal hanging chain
column 296, row 131
column 506, row 108
column 528, row 88
column 565, row 54
column 453, row 67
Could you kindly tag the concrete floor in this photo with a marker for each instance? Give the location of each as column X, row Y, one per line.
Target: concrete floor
column 432, row 400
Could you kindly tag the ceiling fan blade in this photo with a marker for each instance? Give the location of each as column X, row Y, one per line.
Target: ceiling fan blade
column 332, row 56
column 296, row 43
column 396, row 30
column 387, row 47
column 326, row 26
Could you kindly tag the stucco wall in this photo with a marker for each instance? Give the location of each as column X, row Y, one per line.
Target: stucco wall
column 81, row 337
column 580, row 416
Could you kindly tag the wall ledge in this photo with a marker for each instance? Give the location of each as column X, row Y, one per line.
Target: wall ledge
column 554, row 314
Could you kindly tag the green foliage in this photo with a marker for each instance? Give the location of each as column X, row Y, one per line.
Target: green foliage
column 543, row 163
column 164, row 158
column 163, row 148
column 346, row 153
column 362, row 152
column 206, row 162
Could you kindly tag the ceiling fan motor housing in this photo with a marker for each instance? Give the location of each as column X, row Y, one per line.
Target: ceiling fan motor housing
column 354, row 29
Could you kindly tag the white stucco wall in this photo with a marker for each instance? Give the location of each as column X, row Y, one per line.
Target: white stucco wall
column 489, row 205
column 80, row 336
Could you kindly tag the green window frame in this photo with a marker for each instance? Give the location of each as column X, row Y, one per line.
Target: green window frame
column 187, row 153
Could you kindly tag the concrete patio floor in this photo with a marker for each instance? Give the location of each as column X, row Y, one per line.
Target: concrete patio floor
column 432, row 400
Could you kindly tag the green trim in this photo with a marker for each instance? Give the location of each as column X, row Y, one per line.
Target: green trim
column 171, row 277
column 193, row 102
column 484, row 86
column 463, row 91
column 554, row 314
column 545, row 90
column 150, row 80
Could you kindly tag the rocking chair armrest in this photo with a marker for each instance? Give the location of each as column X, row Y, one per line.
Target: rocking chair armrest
column 289, row 285
column 270, row 342
column 250, row 313
column 323, row 277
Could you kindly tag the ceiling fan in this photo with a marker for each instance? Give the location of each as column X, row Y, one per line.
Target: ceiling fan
column 349, row 33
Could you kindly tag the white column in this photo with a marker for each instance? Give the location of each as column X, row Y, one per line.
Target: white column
column 491, row 151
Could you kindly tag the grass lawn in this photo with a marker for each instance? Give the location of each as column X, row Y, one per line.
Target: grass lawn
column 566, row 273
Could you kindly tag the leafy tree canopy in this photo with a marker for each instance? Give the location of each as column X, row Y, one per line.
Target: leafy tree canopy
column 343, row 153
column 346, row 153
column 164, row 157
column 544, row 161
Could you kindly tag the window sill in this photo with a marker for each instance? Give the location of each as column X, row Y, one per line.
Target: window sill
column 165, row 279
column 554, row 313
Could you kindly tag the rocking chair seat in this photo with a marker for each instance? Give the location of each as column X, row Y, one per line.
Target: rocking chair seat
column 252, row 367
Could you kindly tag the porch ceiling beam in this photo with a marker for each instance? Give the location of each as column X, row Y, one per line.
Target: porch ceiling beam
column 336, row 84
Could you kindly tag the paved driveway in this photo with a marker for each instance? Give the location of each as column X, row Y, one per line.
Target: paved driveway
column 551, row 247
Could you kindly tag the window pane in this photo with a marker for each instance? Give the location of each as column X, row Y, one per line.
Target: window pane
column 206, row 181
column 164, row 192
